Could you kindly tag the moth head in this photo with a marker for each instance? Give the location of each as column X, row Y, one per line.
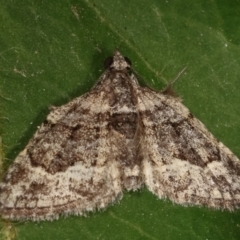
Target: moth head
column 117, row 62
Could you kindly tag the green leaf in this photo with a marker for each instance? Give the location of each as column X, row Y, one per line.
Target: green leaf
column 53, row 51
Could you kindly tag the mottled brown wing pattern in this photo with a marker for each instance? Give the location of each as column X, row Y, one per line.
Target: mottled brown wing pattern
column 69, row 167
column 118, row 136
column 183, row 161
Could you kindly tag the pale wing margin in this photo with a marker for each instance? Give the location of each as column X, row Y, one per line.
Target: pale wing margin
column 182, row 160
column 66, row 167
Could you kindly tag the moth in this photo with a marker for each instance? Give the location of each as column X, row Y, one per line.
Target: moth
column 118, row 136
